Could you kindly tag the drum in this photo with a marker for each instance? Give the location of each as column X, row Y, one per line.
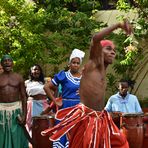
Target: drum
column 145, row 122
column 41, row 123
column 116, row 116
column 132, row 127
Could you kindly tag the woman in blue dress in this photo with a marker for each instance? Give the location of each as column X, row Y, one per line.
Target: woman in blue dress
column 70, row 83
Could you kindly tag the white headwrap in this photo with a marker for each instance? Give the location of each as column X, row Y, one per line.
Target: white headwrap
column 76, row 53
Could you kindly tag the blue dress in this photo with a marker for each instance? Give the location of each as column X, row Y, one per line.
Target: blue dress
column 70, row 97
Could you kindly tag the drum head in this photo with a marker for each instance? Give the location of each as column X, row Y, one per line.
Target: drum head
column 132, row 114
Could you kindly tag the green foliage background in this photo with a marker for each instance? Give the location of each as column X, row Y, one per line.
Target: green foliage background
column 43, row 32
column 46, row 31
column 128, row 65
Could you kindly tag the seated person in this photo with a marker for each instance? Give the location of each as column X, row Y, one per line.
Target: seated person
column 123, row 101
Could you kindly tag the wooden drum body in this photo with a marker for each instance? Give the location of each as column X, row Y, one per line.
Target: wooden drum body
column 116, row 116
column 145, row 121
column 132, row 127
column 41, row 123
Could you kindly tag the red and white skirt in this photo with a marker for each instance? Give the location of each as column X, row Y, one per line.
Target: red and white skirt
column 87, row 128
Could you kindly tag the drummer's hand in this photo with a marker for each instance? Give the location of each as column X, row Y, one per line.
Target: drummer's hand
column 116, row 113
column 21, row 119
column 42, row 113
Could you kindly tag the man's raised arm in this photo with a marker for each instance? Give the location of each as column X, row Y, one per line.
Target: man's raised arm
column 95, row 48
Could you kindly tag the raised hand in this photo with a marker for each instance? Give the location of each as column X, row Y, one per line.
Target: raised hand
column 126, row 26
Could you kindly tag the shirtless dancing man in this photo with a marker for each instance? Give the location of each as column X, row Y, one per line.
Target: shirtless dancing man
column 12, row 104
column 87, row 124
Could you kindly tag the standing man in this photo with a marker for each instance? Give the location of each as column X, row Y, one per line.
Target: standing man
column 87, row 124
column 13, row 104
column 123, row 101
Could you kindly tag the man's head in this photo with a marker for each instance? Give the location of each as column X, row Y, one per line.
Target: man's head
column 7, row 62
column 123, row 87
column 6, row 56
column 108, row 50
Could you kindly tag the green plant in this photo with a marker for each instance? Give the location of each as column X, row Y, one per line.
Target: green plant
column 131, row 58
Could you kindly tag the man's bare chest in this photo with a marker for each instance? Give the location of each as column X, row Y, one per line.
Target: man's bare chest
column 8, row 82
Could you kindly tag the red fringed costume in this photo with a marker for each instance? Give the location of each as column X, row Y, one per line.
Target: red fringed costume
column 87, row 128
